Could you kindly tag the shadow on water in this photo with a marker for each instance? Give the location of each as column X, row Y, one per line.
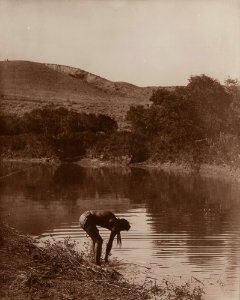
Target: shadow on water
column 182, row 201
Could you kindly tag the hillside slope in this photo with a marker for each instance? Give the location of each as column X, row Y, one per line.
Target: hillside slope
column 118, row 88
column 27, row 85
column 37, row 81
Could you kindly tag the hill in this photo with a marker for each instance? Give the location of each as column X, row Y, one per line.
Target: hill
column 26, row 85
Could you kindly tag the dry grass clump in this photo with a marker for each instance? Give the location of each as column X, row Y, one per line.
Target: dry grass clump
column 55, row 271
column 169, row 290
column 58, row 271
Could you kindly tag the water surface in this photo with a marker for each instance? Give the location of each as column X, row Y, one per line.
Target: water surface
column 183, row 226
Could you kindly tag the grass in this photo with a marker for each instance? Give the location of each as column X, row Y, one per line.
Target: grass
column 55, row 271
column 58, row 271
column 36, row 85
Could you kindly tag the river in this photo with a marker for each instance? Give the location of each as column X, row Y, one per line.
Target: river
column 183, row 226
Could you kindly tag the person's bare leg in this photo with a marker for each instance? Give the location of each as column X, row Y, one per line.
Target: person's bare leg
column 97, row 241
column 98, row 251
column 93, row 248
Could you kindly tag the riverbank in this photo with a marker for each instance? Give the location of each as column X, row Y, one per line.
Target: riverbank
column 205, row 169
column 55, row 271
column 58, row 271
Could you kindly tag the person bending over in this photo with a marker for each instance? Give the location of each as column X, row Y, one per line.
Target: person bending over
column 89, row 221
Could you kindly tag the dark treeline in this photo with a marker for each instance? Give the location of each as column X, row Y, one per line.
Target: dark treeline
column 64, row 134
column 195, row 124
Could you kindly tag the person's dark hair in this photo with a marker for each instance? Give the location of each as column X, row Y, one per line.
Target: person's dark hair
column 121, row 224
column 119, row 239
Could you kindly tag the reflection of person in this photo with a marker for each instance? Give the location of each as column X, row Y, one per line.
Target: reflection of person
column 89, row 221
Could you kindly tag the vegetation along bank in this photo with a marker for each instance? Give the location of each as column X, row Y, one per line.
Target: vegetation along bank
column 57, row 271
column 194, row 125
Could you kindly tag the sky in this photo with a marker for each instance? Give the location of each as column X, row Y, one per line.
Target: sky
column 144, row 42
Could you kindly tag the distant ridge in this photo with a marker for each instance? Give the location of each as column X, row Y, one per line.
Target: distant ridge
column 25, row 85
column 121, row 88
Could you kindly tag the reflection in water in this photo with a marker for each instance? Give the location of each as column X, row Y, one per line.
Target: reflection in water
column 181, row 224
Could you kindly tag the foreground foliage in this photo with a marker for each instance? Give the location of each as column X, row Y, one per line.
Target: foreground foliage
column 57, row 271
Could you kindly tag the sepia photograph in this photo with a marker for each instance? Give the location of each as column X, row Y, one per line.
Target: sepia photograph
column 120, row 149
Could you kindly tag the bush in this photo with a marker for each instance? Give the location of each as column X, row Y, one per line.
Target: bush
column 54, row 121
column 122, row 144
column 10, row 125
column 18, row 143
column 69, row 147
column 68, row 134
column 25, row 145
column 225, row 149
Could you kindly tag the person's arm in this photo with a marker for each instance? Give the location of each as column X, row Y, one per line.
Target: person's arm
column 109, row 244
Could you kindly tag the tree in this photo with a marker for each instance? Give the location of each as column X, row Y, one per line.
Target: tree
column 169, row 115
column 233, row 89
column 10, row 124
column 162, row 95
column 137, row 115
column 53, row 121
column 45, row 121
column 106, row 124
column 211, row 102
